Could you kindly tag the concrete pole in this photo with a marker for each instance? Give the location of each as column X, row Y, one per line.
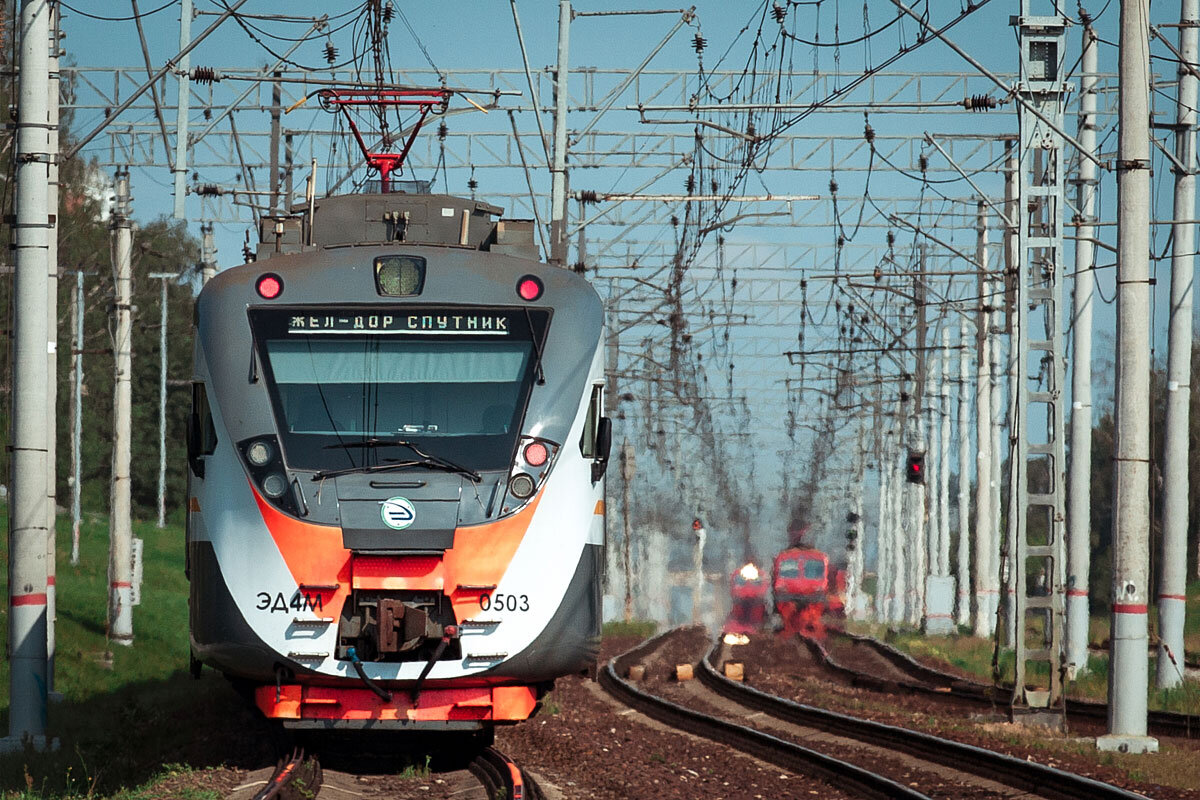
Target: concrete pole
column 1079, row 480
column 182, row 108
column 854, row 558
column 558, row 168
column 273, row 146
column 933, row 460
column 900, row 595
column 963, row 611
column 120, row 546
column 698, row 604
column 943, row 557
column 1128, row 667
column 1012, row 262
column 208, row 253
column 626, row 476
column 1173, row 570
column 52, row 353
column 998, row 567
column 883, row 572
column 984, row 568
column 77, row 417
column 27, row 531
column 162, row 404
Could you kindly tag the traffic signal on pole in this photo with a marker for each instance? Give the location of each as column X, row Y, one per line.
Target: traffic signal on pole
column 914, row 468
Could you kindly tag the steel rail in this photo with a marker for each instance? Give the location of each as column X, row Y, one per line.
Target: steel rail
column 1028, row 776
column 771, row 749
column 305, row 774
column 1159, row 723
column 502, row 779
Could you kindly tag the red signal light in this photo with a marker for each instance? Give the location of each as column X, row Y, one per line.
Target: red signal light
column 536, row 454
column 915, row 467
column 530, row 288
column 269, row 286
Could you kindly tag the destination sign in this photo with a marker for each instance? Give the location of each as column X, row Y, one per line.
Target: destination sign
column 433, row 323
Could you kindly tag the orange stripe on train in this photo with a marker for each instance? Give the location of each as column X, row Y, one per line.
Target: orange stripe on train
column 315, row 556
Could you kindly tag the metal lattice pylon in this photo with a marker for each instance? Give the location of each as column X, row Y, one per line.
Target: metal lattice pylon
column 1038, row 459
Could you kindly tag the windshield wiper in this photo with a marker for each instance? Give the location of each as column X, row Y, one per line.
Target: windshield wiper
column 427, row 460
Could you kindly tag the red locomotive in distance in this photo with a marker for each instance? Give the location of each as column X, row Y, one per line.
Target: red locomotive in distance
column 800, row 582
column 748, row 592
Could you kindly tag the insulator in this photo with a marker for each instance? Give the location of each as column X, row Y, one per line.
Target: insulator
column 779, row 12
column 833, row 186
column 869, row 133
column 691, row 183
column 979, row 102
column 472, row 184
column 331, row 52
column 803, row 284
column 674, row 221
column 589, row 196
column 922, row 162
column 713, row 185
column 443, row 129
column 891, row 238
column 750, row 130
column 208, row 190
column 389, row 12
column 699, row 42
column 205, row 75
column 733, row 283
column 841, row 242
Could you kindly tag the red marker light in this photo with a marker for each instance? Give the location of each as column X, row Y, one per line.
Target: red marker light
column 536, row 454
column 269, row 286
column 529, row 288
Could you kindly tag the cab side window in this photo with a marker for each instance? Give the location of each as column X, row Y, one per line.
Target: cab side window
column 202, row 432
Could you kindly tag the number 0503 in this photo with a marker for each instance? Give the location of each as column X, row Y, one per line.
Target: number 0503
column 504, row 602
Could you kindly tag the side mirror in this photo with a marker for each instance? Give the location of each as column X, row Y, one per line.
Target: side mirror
column 603, row 448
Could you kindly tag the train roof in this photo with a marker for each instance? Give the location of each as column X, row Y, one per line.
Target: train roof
column 416, row 218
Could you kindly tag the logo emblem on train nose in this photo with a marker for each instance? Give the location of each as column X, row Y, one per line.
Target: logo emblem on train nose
column 397, row 513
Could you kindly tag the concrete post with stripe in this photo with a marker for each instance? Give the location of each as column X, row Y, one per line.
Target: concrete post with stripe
column 962, row 614
column 1128, row 671
column 27, row 532
column 1173, row 570
column 1079, row 486
column 120, row 545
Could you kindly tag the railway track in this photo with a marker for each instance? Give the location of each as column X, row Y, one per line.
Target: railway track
column 929, row 681
column 502, row 778
column 300, row 778
column 766, row 747
column 1027, row 776
column 1006, row 776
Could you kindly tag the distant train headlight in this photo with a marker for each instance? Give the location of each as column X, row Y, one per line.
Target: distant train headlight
column 260, row 454
column 521, row 485
column 274, row 485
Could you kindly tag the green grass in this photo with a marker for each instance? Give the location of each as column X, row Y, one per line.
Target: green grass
column 124, row 716
column 974, row 656
column 643, row 628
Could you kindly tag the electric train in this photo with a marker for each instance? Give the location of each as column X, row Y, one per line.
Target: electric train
column 396, row 459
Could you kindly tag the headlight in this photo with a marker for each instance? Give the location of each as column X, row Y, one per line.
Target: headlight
column 521, row 485
column 260, row 454
column 274, row 485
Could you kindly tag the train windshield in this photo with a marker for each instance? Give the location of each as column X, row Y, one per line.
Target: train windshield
column 346, row 396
